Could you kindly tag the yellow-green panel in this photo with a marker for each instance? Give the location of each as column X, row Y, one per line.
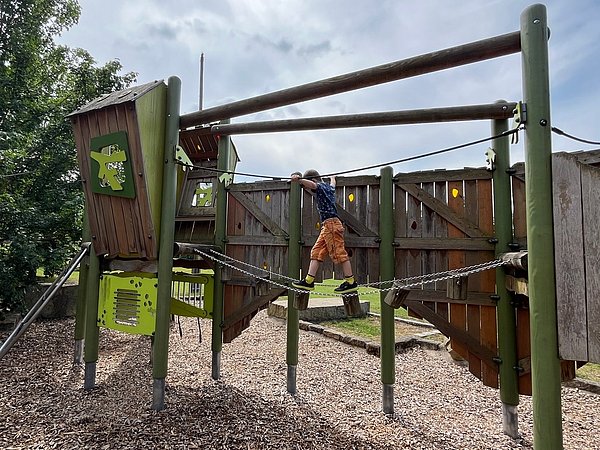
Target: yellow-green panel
column 128, row 302
column 151, row 109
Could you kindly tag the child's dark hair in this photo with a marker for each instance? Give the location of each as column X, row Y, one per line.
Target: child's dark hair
column 313, row 175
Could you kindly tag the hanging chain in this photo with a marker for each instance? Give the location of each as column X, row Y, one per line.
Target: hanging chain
column 403, row 283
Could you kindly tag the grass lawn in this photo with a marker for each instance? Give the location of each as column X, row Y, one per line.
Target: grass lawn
column 590, row 371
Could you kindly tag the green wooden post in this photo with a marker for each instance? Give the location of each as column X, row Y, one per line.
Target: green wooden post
column 545, row 364
column 92, row 332
column 160, row 348
column 507, row 324
column 294, row 265
column 387, row 272
column 81, row 295
column 220, row 241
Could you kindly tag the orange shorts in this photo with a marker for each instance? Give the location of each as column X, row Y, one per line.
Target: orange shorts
column 330, row 242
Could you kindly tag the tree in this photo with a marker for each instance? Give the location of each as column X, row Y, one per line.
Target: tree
column 41, row 203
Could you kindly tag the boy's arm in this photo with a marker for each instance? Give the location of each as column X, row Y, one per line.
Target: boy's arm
column 308, row 184
column 332, row 180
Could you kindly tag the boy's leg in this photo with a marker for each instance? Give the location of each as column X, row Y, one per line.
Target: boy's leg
column 349, row 284
column 308, row 283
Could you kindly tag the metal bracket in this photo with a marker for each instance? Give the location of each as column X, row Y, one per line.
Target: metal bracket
column 226, row 178
column 182, row 157
column 519, row 118
column 490, row 159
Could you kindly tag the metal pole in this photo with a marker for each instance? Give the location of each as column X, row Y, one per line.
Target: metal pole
column 507, row 324
column 411, row 67
column 387, row 272
column 92, row 332
column 81, row 291
column 160, row 347
column 36, row 309
column 545, row 364
column 431, row 115
column 223, row 164
column 294, row 265
column 201, row 87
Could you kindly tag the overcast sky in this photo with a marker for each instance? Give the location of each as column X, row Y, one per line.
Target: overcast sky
column 253, row 47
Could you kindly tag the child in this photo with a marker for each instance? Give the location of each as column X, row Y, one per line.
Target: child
column 331, row 238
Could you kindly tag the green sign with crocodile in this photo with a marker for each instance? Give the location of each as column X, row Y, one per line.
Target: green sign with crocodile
column 110, row 165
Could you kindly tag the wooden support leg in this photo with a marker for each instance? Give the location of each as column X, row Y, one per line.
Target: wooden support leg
column 301, row 300
column 352, row 305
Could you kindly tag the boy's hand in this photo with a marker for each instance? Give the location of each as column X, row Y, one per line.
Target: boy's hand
column 296, row 176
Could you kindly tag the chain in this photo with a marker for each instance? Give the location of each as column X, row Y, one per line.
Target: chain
column 403, row 283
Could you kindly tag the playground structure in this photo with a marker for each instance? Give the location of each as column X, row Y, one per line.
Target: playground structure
column 146, row 215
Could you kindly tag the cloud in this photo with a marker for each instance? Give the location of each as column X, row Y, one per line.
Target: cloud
column 255, row 47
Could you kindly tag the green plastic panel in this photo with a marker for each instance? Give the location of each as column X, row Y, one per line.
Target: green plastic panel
column 110, row 162
column 127, row 302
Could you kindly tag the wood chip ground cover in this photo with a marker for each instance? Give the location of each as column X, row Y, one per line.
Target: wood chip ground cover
column 438, row 404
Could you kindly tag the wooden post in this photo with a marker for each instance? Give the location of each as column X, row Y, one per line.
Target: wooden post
column 457, row 288
column 352, row 305
column 505, row 311
column 432, row 115
column 81, row 295
column 92, row 332
column 160, row 348
column 294, row 264
column 301, row 300
column 387, row 272
column 220, row 241
column 411, row 67
column 545, row 365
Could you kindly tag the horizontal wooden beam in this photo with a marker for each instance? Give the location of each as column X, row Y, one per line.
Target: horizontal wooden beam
column 411, row 67
column 415, row 116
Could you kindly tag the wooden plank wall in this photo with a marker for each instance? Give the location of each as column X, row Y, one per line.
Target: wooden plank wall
column 576, row 194
column 257, row 231
column 122, row 226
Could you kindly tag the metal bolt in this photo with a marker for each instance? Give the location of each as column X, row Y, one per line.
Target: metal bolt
column 543, row 122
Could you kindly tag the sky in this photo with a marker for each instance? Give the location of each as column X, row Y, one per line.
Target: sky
column 253, row 47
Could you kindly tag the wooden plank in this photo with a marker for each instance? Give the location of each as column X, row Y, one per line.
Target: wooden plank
column 569, row 258
column 255, row 210
column 440, row 297
column 149, row 229
column 457, row 220
column 427, row 231
column 519, row 212
column 441, row 233
column 523, row 349
column 456, row 259
column 414, row 226
column 443, row 176
column 590, row 189
column 254, row 305
column 97, row 226
column 373, row 224
column 471, row 200
column 489, row 331
column 457, row 334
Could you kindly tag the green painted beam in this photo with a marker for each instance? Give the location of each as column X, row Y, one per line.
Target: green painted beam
column 545, row 365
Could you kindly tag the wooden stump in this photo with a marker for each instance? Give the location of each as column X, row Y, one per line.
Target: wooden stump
column 352, row 305
column 395, row 298
column 301, row 300
column 457, row 288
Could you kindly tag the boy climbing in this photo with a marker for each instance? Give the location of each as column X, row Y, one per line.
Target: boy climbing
column 331, row 238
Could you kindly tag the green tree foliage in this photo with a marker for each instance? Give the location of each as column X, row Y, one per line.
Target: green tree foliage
column 40, row 192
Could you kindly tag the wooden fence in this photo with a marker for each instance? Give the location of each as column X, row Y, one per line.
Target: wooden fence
column 443, row 220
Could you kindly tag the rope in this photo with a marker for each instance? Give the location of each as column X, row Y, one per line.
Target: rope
column 374, row 166
column 562, row 133
column 403, row 283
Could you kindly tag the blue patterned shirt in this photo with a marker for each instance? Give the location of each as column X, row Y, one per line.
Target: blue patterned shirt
column 326, row 201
